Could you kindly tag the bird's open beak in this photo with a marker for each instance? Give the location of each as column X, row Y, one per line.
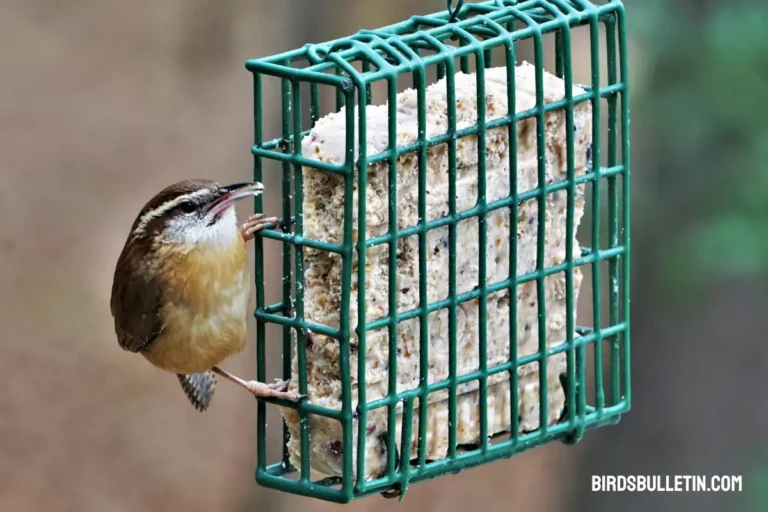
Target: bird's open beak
column 232, row 193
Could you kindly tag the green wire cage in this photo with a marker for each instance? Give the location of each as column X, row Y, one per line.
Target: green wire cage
column 468, row 38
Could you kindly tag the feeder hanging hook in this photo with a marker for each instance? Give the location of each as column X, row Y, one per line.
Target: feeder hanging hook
column 454, row 13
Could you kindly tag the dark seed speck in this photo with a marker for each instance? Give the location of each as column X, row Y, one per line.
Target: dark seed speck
column 335, row 448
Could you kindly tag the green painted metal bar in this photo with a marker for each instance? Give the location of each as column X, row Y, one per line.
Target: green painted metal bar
column 511, row 62
column 359, row 87
column 450, row 71
column 613, row 209
column 346, row 292
column 392, row 273
column 297, row 240
column 597, row 303
column 565, row 67
column 366, row 65
column 341, row 99
column 286, row 207
column 297, row 324
column 423, row 297
column 261, row 407
column 292, row 158
column 301, row 342
column 405, row 444
column 538, row 52
column 483, row 246
column 420, row 82
column 309, row 408
column 625, row 158
column 281, row 68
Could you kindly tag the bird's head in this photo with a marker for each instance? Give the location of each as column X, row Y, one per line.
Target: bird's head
column 191, row 212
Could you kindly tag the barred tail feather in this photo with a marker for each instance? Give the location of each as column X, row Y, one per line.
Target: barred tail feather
column 199, row 388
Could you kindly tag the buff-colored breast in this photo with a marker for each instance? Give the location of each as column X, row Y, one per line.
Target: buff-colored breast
column 205, row 310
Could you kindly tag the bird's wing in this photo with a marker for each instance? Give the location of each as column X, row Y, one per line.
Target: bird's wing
column 199, row 388
column 135, row 306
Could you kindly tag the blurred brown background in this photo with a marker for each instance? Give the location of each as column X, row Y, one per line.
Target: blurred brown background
column 102, row 103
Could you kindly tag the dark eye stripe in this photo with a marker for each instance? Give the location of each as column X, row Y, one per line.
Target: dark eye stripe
column 170, row 207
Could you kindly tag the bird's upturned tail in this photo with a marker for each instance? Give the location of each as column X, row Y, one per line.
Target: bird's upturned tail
column 199, row 388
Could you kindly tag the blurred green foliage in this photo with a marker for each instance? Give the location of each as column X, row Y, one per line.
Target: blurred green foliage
column 703, row 110
column 757, row 491
column 755, row 481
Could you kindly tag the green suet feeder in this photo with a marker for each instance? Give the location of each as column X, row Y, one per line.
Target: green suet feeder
column 402, row 389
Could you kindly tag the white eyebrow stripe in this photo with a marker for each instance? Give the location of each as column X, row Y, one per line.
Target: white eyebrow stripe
column 166, row 206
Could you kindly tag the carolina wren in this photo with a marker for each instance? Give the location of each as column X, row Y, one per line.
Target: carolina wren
column 181, row 286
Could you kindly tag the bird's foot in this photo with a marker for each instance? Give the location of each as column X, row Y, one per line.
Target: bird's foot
column 277, row 389
column 258, row 389
column 256, row 223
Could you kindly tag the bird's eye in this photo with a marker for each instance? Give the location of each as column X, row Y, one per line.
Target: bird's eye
column 187, row 207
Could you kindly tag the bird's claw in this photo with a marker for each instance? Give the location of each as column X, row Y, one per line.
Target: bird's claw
column 256, row 223
column 279, row 385
column 277, row 389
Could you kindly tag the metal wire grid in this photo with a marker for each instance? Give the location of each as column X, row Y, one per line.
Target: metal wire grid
column 386, row 54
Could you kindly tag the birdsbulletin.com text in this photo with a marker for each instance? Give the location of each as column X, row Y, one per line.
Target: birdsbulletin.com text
column 666, row 483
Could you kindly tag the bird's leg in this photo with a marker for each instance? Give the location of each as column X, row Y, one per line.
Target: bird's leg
column 260, row 389
column 254, row 224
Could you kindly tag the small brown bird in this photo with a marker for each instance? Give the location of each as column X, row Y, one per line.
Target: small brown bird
column 181, row 286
